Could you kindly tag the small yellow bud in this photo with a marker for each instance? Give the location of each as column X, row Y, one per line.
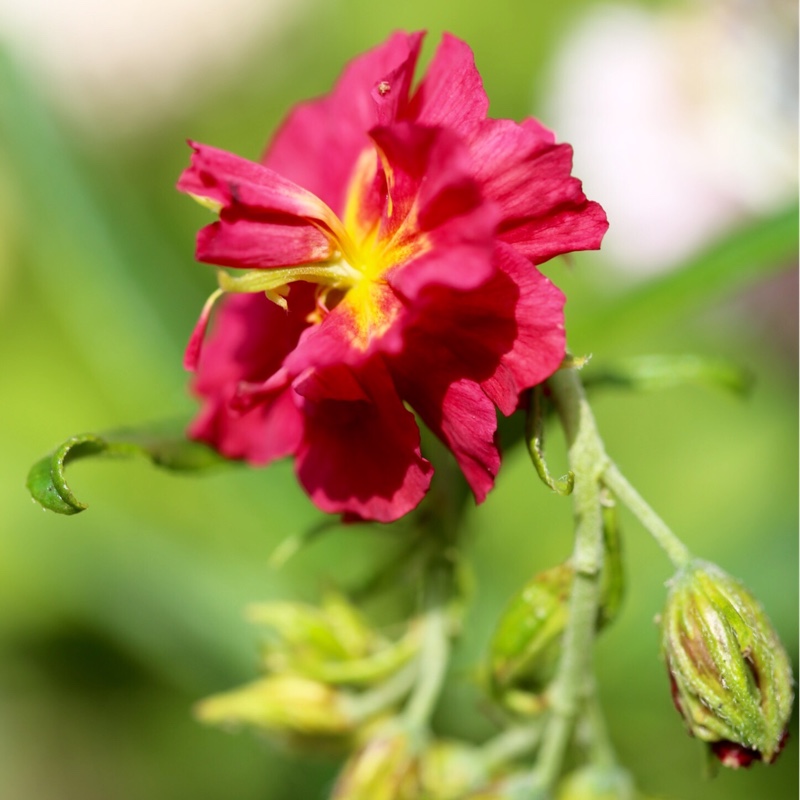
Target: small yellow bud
column 281, row 704
column 597, row 783
column 449, row 768
column 385, row 768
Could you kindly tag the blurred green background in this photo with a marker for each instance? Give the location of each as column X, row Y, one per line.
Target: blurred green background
column 113, row 622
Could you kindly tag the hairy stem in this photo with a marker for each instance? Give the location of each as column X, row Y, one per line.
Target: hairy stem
column 574, row 682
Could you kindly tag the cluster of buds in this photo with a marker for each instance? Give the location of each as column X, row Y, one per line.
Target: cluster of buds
column 731, row 677
column 319, row 666
column 398, row 763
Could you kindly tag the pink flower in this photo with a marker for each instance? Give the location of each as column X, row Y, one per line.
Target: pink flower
column 386, row 247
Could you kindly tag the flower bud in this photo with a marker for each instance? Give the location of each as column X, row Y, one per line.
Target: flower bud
column 597, row 783
column 525, row 648
column 301, row 633
column 731, row 678
column 282, row 704
column 449, row 768
column 332, row 644
column 513, row 787
column 385, row 768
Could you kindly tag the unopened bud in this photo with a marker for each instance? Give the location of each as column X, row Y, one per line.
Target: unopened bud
column 385, row 768
column 597, row 783
column 282, row 704
column 333, row 644
column 513, row 787
column 449, row 768
column 731, row 678
column 525, row 648
column 301, row 633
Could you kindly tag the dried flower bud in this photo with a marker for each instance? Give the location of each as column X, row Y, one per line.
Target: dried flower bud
column 385, row 768
column 285, row 704
column 731, row 678
column 597, row 783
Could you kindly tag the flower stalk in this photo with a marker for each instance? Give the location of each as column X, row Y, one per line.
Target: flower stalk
column 434, row 653
column 574, row 683
column 675, row 549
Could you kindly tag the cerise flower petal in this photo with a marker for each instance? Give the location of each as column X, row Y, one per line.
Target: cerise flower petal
column 361, row 456
column 303, row 148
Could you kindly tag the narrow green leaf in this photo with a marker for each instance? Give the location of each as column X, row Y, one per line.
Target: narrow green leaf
column 161, row 445
column 656, row 372
column 753, row 251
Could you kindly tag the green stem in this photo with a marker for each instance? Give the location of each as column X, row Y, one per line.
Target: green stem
column 675, row 549
column 602, row 751
column 434, row 652
column 509, row 745
column 385, row 695
column 574, row 683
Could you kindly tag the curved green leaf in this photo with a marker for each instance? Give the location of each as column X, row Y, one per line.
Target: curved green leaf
column 534, row 438
column 48, row 485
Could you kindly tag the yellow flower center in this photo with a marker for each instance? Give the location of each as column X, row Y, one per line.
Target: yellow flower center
column 353, row 277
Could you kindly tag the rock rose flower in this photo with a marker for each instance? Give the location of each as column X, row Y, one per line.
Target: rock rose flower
column 384, row 253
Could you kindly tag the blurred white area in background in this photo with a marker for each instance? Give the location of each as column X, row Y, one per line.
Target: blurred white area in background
column 683, row 120
column 120, row 66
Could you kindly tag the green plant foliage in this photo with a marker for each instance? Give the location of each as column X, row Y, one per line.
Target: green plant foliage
column 48, row 484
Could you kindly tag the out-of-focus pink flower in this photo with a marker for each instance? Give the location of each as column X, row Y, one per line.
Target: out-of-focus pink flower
column 386, row 247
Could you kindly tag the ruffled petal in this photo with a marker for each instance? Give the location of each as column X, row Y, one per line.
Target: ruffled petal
column 236, row 241
column 320, row 142
column 451, row 94
column 457, row 411
column 506, row 336
column 539, row 343
column 366, row 322
column 545, row 212
column 271, row 430
column 563, row 231
column 250, row 338
column 436, row 227
column 361, row 457
column 251, row 188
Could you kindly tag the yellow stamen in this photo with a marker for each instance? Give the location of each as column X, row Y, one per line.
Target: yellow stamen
column 275, row 282
column 207, row 202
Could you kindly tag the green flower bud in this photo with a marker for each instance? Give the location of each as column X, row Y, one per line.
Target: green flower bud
column 385, row 768
column 303, row 633
column 514, row 787
column 333, row 644
column 285, row 704
column 731, row 678
column 526, row 645
column 597, row 783
column 448, row 769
